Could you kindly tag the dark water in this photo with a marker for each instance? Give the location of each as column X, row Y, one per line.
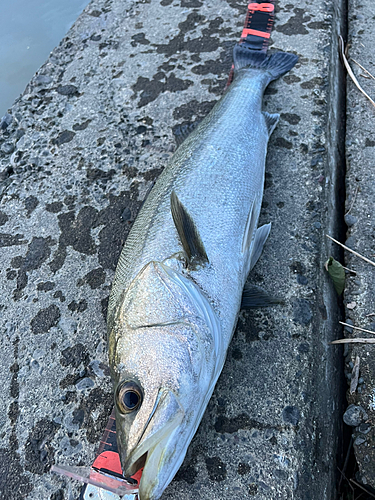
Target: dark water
column 29, row 30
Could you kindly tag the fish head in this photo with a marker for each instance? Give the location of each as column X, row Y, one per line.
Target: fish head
column 162, row 378
column 163, row 353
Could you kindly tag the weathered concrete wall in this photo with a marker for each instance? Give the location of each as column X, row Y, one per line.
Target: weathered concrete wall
column 87, row 139
column 360, row 219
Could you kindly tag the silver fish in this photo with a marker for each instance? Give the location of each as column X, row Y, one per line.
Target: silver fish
column 179, row 281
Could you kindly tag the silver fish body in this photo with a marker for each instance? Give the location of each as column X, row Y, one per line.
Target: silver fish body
column 170, row 319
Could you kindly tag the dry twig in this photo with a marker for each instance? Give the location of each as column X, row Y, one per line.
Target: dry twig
column 362, row 488
column 355, row 376
column 342, row 472
column 350, row 72
column 350, row 270
column 353, row 341
column 352, row 251
column 354, row 198
column 364, row 69
column 356, row 327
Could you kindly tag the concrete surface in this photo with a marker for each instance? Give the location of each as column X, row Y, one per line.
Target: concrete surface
column 79, row 152
column 360, row 219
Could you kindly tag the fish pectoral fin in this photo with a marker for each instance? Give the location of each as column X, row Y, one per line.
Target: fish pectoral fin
column 261, row 236
column 272, row 119
column 188, row 233
column 254, row 296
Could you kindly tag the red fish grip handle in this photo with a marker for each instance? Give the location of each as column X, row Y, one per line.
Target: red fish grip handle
column 258, row 25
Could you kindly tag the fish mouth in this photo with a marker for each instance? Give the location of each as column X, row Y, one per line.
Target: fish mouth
column 155, row 451
column 135, row 466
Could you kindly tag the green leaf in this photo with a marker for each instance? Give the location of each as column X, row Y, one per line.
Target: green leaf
column 337, row 273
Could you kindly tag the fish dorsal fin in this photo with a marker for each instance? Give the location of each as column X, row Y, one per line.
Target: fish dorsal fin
column 271, row 121
column 181, row 132
column 188, row 233
column 249, row 228
column 254, row 296
column 261, row 236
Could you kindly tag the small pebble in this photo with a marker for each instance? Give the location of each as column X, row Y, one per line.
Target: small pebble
column 34, row 363
column 7, row 148
column 5, row 121
column 360, row 380
column 364, row 428
column 350, row 242
column 359, row 440
column 291, row 415
column 95, row 367
column 354, row 415
column 42, row 80
column 301, row 280
column 126, row 214
column 347, row 328
column 85, row 383
column 350, row 220
column 351, row 305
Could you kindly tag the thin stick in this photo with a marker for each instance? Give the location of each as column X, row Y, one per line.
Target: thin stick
column 346, row 462
column 350, row 270
column 350, row 72
column 364, row 69
column 362, row 488
column 356, row 327
column 354, row 198
column 352, row 251
column 371, row 314
column 355, row 376
column 353, row 341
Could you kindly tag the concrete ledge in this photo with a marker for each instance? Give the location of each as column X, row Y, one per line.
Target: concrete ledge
column 360, row 209
column 84, row 144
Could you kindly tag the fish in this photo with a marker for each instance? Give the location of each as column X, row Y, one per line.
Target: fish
column 179, row 282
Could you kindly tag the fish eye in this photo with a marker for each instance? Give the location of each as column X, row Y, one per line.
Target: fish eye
column 128, row 396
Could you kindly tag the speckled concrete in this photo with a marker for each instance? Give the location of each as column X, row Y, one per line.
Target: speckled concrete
column 78, row 153
column 360, row 219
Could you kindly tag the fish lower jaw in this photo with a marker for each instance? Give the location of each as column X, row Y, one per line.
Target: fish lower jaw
column 135, row 466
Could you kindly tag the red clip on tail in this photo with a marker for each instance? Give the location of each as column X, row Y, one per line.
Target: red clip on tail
column 262, row 7
column 258, row 25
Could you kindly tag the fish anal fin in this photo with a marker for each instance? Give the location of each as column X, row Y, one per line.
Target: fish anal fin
column 272, row 119
column 188, row 233
column 254, row 296
column 261, row 236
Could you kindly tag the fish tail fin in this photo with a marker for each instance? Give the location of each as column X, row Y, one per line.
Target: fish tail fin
column 275, row 65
